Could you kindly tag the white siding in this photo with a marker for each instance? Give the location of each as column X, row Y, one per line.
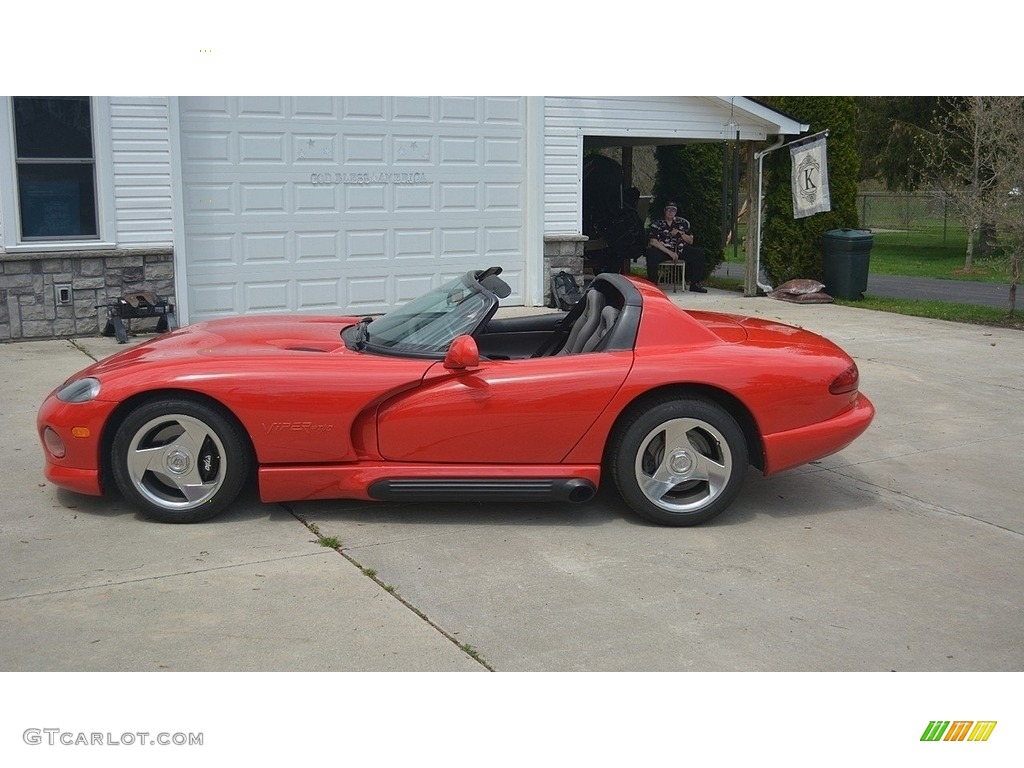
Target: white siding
column 660, row 119
column 141, row 151
column 563, row 164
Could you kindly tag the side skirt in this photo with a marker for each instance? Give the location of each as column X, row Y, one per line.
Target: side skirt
column 429, row 482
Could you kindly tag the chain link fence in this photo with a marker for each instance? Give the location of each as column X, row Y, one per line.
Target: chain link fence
column 905, row 212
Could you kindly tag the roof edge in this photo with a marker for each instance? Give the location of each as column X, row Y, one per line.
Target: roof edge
column 785, row 124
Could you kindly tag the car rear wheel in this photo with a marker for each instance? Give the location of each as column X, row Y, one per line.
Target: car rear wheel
column 679, row 462
column 180, row 460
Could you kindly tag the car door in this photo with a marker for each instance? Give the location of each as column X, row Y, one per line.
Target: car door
column 530, row 411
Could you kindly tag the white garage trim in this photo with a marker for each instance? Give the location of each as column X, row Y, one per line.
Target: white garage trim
column 178, row 216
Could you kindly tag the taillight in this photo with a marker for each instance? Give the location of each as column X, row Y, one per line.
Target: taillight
column 845, row 382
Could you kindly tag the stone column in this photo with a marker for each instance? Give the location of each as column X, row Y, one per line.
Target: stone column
column 562, row 253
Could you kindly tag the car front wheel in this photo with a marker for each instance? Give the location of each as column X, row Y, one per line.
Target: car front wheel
column 180, row 460
column 679, row 462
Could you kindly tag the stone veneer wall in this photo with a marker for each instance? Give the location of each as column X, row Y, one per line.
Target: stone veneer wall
column 28, row 297
column 562, row 252
column 28, row 300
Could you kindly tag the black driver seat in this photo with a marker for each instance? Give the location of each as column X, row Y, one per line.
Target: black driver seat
column 607, row 318
column 586, row 325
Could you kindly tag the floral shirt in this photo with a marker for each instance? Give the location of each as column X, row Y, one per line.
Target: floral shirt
column 661, row 229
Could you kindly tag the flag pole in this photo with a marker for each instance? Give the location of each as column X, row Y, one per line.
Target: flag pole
column 759, row 156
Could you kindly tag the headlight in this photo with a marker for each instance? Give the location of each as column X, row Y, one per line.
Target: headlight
column 79, row 391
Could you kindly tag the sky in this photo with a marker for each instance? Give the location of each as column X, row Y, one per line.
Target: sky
column 462, row 47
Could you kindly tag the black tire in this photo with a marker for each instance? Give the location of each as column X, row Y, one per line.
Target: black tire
column 180, row 460
column 679, row 461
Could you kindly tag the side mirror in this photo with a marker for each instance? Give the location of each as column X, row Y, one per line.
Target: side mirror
column 462, row 354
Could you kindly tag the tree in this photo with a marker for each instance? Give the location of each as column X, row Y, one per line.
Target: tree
column 974, row 158
column 1014, row 233
column 792, row 247
column 888, row 137
column 1008, row 207
column 691, row 175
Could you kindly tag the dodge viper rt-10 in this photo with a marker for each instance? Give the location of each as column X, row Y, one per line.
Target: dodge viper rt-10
column 440, row 400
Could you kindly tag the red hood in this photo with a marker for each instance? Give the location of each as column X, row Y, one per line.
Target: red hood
column 236, row 338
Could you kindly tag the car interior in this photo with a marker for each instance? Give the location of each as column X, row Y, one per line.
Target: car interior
column 606, row 318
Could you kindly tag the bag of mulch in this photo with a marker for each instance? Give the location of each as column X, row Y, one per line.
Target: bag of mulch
column 802, row 291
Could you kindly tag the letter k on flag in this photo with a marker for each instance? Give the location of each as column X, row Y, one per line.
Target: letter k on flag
column 810, row 179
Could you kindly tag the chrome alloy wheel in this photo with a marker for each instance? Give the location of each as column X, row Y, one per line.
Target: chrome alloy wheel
column 683, row 465
column 176, row 462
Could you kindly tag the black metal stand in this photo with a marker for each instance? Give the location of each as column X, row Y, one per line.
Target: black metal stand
column 135, row 305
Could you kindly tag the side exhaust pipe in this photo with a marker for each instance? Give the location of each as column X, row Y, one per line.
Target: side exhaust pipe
column 574, row 490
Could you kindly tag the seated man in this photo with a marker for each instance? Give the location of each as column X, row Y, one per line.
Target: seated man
column 670, row 238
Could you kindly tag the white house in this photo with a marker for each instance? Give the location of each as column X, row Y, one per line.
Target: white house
column 305, row 204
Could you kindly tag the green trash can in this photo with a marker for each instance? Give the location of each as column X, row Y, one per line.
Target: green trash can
column 847, row 257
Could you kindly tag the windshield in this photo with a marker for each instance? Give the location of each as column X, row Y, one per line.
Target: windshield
column 428, row 325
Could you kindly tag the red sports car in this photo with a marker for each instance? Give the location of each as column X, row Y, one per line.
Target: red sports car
column 441, row 400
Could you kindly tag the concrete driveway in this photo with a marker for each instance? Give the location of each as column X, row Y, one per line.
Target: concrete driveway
column 903, row 552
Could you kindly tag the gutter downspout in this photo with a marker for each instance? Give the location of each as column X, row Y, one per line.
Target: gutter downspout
column 760, row 198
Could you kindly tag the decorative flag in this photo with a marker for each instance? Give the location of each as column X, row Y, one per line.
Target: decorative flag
column 810, row 179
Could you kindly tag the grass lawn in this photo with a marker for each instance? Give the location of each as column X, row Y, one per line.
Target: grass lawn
column 924, row 253
column 930, row 253
column 940, row 310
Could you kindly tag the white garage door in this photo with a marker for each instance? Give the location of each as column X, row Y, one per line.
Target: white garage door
column 346, row 204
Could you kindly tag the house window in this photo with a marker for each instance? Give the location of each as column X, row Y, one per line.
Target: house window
column 56, row 167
